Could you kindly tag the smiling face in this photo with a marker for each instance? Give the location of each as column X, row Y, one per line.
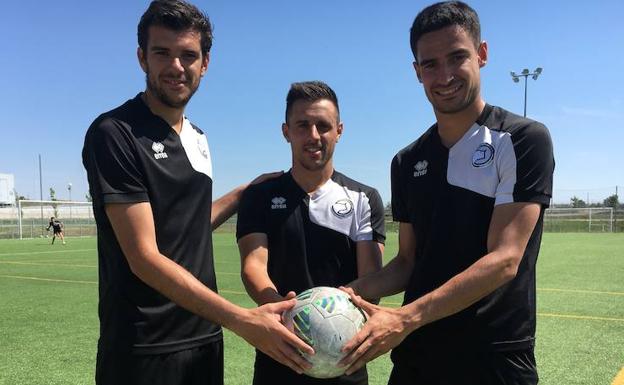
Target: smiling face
column 173, row 64
column 448, row 65
column 312, row 129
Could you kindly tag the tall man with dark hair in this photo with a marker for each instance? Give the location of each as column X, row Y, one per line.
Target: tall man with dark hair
column 150, row 176
column 469, row 196
column 312, row 226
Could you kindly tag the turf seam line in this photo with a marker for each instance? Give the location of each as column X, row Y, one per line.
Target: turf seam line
column 581, row 291
column 570, row 316
column 619, row 378
column 47, row 252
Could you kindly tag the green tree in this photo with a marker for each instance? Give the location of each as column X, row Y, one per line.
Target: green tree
column 611, row 201
column 576, row 202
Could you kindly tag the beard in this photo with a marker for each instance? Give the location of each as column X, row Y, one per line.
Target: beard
column 458, row 106
column 315, row 165
column 166, row 99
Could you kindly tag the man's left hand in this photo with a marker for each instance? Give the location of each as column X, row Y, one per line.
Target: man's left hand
column 385, row 329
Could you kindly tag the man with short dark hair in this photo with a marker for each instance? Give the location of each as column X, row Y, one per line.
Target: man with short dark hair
column 57, row 229
column 312, row 226
column 150, row 176
column 469, row 196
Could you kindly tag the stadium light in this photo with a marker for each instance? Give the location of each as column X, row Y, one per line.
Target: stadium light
column 69, row 187
column 526, row 73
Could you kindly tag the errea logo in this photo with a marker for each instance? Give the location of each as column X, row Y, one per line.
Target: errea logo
column 159, row 150
column 420, row 168
column 278, row 203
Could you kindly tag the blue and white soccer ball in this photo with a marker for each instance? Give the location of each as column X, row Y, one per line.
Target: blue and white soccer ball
column 325, row 318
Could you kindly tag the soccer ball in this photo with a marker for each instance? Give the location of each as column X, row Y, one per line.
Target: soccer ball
column 325, row 318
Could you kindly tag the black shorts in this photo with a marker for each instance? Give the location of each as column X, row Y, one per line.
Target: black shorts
column 514, row 367
column 198, row 366
column 270, row 372
column 57, row 231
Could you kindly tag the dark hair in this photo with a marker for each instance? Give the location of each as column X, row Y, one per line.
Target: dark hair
column 442, row 15
column 177, row 15
column 310, row 91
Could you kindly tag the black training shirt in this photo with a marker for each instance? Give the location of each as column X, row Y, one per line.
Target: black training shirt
column 311, row 237
column 448, row 195
column 132, row 155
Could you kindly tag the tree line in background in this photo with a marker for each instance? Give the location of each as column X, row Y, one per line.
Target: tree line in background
column 610, row 201
column 575, row 202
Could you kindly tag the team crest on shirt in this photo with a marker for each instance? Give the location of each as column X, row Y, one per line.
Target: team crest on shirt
column 420, row 168
column 483, row 155
column 342, row 208
column 159, row 150
column 202, row 146
column 278, row 203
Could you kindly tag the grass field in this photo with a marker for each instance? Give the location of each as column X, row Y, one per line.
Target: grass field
column 49, row 326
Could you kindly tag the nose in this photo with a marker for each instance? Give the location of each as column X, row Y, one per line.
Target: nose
column 446, row 74
column 176, row 64
column 314, row 133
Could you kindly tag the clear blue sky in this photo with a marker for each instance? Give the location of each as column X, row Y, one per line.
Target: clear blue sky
column 65, row 62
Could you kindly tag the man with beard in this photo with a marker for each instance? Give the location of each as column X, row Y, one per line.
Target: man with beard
column 312, row 226
column 469, row 196
column 150, row 176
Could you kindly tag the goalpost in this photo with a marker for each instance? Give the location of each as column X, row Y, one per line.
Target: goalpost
column 587, row 219
column 33, row 217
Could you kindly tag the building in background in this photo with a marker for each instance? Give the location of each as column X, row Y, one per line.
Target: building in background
column 7, row 189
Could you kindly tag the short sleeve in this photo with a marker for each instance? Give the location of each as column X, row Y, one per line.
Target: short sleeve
column 526, row 167
column 251, row 214
column 399, row 207
column 372, row 225
column 112, row 166
column 378, row 220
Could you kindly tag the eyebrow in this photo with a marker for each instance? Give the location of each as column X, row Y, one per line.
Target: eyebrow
column 452, row 53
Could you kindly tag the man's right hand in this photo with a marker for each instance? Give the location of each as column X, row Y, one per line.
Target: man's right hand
column 262, row 328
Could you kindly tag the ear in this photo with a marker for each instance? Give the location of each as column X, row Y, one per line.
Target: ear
column 340, row 128
column 204, row 66
column 142, row 59
column 482, row 52
column 417, row 69
column 285, row 132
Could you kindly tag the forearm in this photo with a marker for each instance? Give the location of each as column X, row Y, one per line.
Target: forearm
column 179, row 285
column 483, row 277
column 259, row 286
column 390, row 280
column 224, row 207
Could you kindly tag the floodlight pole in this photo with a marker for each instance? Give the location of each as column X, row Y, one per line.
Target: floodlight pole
column 41, row 194
column 526, row 73
column 69, row 187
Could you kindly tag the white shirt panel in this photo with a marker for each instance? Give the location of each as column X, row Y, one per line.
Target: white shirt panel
column 481, row 161
column 196, row 148
column 348, row 212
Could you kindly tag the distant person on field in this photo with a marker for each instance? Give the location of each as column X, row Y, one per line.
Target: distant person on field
column 150, row 176
column 57, row 229
column 312, row 226
column 469, row 196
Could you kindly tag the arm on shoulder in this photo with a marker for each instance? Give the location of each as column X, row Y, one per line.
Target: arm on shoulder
column 224, row 207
